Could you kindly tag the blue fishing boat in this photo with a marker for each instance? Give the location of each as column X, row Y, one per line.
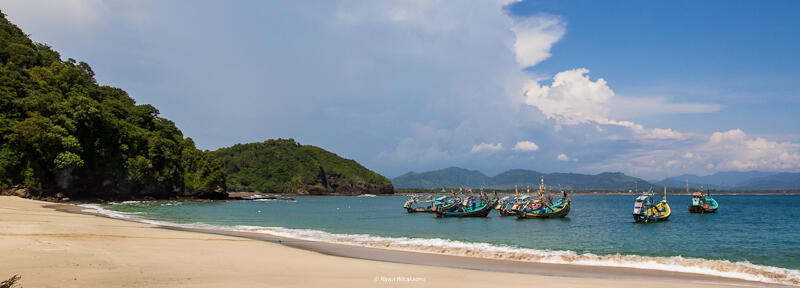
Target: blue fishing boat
column 470, row 207
column 703, row 203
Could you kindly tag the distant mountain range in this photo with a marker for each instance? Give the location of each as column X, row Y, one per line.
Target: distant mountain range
column 734, row 180
column 455, row 177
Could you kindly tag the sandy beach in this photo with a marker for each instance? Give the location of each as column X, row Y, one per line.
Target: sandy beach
column 52, row 248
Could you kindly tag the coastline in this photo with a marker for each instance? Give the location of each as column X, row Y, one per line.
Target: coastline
column 434, row 268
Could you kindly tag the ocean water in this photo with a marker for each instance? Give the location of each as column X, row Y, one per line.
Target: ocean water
column 754, row 237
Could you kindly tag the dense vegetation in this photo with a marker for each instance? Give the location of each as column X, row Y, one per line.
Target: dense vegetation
column 455, row 177
column 285, row 166
column 64, row 135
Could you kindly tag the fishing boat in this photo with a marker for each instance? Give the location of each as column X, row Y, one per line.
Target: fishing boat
column 645, row 209
column 470, row 207
column 502, row 201
column 513, row 203
column 702, row 203
column 544, row 207
column 429, row 204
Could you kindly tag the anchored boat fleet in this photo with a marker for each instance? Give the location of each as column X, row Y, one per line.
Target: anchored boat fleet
column 544, row 204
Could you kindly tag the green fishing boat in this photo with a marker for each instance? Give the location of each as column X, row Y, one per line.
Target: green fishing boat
column 470, row 207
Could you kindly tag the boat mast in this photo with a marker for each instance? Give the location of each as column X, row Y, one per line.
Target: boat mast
column 541, row 186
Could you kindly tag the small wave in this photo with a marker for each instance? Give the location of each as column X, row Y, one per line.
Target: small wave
column 96, row 208
column 367, row 195
column 739, row 270
column 275, row 200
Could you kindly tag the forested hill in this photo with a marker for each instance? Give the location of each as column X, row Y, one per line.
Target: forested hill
column 65, row 136
column 285, row 166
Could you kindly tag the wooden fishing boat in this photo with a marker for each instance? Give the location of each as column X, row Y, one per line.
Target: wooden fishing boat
column 501, row 202
column 645, row 209
column 703, row 203
column 510, row 208
column 544, row 207
column 470, row 208
column 428, row 204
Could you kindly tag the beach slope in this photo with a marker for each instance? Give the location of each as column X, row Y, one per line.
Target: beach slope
column 49, row 248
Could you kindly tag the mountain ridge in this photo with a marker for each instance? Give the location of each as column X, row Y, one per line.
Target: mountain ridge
column 737, row 180
column 455, row 177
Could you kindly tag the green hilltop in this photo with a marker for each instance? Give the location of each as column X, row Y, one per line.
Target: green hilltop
column 65, row 136
column 285, row 166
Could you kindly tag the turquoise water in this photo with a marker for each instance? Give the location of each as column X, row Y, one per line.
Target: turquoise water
column 758, row 229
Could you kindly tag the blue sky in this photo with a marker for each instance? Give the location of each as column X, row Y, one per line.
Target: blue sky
column 651, row 89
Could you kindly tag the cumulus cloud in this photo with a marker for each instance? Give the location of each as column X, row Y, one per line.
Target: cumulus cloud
column 564, row 157
column 487, row 147
column 572, row 98
column 534, row 38
column 721, row 151
column 526, row 146
column 734, row 150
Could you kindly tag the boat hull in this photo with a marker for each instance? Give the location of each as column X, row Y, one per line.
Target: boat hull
column 420, row 210
column 482, row 212
column 701, row 209
column 641, row 218
column 504, row 212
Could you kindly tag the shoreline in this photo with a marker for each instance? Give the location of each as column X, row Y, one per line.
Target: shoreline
column 455, row 261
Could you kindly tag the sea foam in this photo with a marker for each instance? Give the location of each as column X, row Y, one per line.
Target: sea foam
column 723, row 268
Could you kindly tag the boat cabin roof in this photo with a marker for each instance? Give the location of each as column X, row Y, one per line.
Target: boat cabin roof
column 642, row 197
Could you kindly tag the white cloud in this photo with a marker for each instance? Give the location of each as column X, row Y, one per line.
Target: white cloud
column 732, row 136
column 721, row 151
column 526, row 146
column 487, row 147
column 659, row 133
column 572, row 98
column 535, row 36
column 734, row 150
column 564, row 157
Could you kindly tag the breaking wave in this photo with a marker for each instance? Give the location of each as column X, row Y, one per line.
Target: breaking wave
column 723, row 268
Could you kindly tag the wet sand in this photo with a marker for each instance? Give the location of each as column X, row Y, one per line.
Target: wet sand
column 50, row 245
